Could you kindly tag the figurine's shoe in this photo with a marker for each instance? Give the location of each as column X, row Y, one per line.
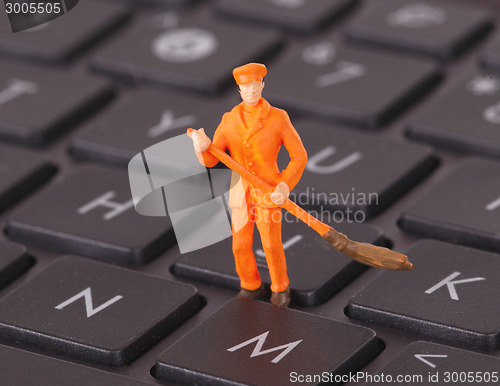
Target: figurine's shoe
column 281, row 299
column 251, row 294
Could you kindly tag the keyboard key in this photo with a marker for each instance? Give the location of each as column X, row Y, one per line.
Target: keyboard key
column 37, row 104
column 61, row 39
column 297, row 15
column 463, row 208
column 74, row 306
column 20, row 173
column 337, row 82
column 316, row 270
column 141, row 120
column 23, row 368
column 355, row 173
column 249, row 342
column 438, row 29
column 466, row 118
column 13, row 262
column 430, row 363
column 454, row 289
column 91, row 213
column 189, row 52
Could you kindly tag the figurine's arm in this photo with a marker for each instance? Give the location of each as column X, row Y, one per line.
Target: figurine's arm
column 202, row 142
column 298, row 155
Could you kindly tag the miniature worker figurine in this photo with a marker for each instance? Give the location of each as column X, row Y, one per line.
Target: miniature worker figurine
column 253, row 132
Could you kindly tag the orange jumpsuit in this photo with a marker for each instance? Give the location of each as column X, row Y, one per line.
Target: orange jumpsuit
column 253, row 136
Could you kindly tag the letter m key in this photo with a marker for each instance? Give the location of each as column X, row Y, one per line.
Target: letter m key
column 261, row 339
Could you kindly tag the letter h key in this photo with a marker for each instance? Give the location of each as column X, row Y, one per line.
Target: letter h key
column 90, row 213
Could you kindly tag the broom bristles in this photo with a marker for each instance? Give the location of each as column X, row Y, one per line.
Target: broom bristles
column 367, row 253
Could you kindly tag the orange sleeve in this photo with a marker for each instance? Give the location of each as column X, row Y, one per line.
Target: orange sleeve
column 219, row 142
column 298, row 155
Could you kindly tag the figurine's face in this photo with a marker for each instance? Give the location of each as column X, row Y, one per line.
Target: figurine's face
column 251, row 92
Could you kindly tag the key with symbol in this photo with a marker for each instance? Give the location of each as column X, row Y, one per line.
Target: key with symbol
column 355, row 173
column 458, row 210
column 296, row 15
column 429, row 363
column 36, row 104
column 190, row 52
column 452, row 288
column 91, row 213
column 313, row 277
column 142, row 119
column 336, row 82
column 435, row 28
column 466, row 117
column 245, row 335
column 73, row 308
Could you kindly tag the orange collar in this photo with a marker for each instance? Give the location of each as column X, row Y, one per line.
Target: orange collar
column 263, row 107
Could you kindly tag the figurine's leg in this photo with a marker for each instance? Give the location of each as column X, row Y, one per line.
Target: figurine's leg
column 269, row 224
column 246, row 267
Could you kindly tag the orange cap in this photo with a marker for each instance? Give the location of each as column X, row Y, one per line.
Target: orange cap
column 250, row 72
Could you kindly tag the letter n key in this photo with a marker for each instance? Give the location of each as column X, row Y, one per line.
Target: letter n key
column 109, row 322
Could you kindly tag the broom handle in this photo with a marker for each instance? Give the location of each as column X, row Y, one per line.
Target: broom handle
column 364, row 253
column 289, row 205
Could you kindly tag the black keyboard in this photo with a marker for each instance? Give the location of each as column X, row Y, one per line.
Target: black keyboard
column 397, row 103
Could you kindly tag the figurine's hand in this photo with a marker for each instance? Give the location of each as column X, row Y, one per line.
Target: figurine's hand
column 280, row 194
column 201, row 142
